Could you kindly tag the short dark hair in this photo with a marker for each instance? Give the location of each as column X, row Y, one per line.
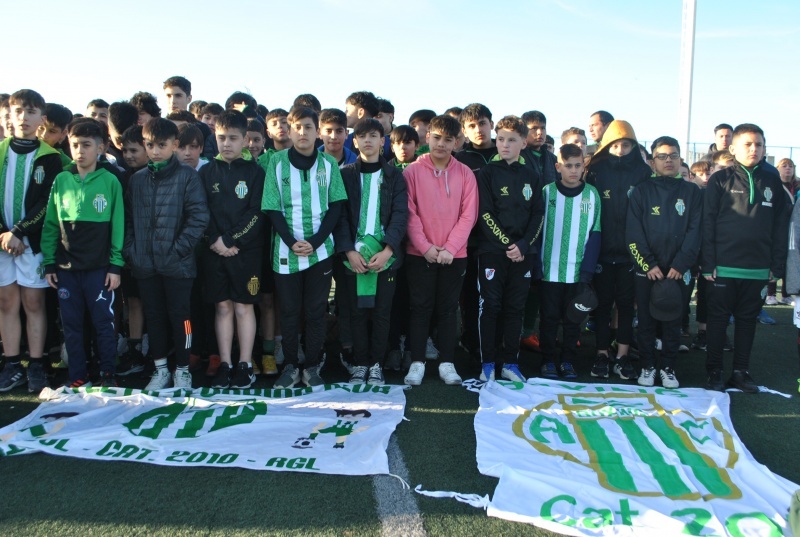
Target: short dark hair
column 179, row 82
column 365, row 100
column 232, row 119
column 454, row 111
column 333, row 115
column 568, row 151
column 423, row 115
column 146, row 102
column 262, row 110
column 303, row 112
column 747, row 128
column 447, row 125
column 158, row 129
column 254, row 125
column 534, row 116
column 402, row 134
column 189, row 133
column 605, row 117
column 249, row 112
column 133, row 135
column 89, row 128
column 196, row 107
column 239, row 97
column 58, row 115
column 570, row 131
column 276, row 113
column 181, row 115
column 27, row 98
column 473, row 112
column 722, row 154
column 549, row 140
column 97, row 103
column 513, row 124
column 700, row 166
column 4, row 99
column 367, row 125
column 122, row 115
column 385, row 106
column 213, row 109
column 722, row 126
column 309, row 101
column 664, row 140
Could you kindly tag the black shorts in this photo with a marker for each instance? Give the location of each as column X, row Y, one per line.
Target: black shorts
column 236, row 278
column 130, row 287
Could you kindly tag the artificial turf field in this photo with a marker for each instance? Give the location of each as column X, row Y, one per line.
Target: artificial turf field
column 49, row 495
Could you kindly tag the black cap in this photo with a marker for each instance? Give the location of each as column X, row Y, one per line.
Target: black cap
column 584, row 302
column 666, row 303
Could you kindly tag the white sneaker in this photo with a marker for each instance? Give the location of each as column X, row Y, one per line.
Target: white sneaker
column 431, row 352
column 161, row 379
column 182, row 379
column 415, row 374
column 772, row 300
column 668, row 379
column 683, row 348
column 787, row 300
column 648, row 376
column 447, row 372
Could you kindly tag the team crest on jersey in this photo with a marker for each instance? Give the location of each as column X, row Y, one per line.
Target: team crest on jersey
column 100, row 203
column 681, row 208
column 38, row 175
column 607, row 194
column 527, row 191
column 656, row 211
column 767, row 197
column 241, row 190
column 586, row 205
column 322, row 177
column 253, row 286
column 489, row 273
column 504, row 191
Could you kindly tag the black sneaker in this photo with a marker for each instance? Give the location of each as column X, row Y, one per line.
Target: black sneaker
column 222, row 379
column 243, row 376
column 715, row 381
column 741, row 379
column 376, row 375
column 131, row 362
column 13, row 375
column 600, row 366
column 623, row 368
column 699, row 341
column 108, row 380
column 359, row 374
column 37, row 377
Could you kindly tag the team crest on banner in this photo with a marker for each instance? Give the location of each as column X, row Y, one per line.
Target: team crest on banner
column 680, row 207
column 100, row 203
column 241, row 190
column 599, row 459
column 38, row 175
column 330, row 429
column 489, row 273
column 527, row 192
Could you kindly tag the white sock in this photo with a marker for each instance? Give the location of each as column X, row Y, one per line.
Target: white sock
column 161, row 363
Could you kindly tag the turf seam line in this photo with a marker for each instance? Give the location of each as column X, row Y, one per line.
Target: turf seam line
column 396, row 506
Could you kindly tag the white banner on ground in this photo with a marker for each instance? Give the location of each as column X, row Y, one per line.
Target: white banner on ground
column 332, row 429
column 589, row 459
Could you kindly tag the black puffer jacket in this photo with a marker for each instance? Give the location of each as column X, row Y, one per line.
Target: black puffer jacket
column 165, row 216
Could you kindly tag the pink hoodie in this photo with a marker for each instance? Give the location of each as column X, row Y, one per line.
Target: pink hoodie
column 442, row 206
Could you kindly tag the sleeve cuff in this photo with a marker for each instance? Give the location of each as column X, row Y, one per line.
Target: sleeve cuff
column 113, row 269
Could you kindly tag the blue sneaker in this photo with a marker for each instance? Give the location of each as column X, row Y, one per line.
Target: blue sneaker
column 487, row 371
column 764, row 318
column 511, row 372
column 567, row 371
column 549, row 370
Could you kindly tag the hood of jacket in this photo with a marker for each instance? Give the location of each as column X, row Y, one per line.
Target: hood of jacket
column 617, row 130
column 441, row 175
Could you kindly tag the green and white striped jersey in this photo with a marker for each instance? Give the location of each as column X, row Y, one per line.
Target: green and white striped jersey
column 303, row 198
column 369, row 221
column 567, row 224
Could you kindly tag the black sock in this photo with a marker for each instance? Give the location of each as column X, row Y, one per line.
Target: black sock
column 13, row 360
column 36, row 360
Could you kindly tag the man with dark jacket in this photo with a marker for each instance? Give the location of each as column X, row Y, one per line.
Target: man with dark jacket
column 370, row 234
column 663, row 235
column 745, row 240
column 615, row 170
column 166, row 214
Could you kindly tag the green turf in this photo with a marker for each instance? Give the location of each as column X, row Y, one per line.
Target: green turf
column 49, row 495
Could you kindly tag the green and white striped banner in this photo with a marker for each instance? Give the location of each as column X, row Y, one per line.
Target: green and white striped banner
column 331, row 429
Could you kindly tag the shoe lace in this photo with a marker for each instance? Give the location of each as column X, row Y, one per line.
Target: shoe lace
column 375, row 370
column 360, row 370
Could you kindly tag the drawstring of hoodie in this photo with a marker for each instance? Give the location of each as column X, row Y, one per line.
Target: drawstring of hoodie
column 438, row 173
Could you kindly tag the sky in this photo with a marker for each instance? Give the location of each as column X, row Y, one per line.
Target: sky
column 566, row 58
